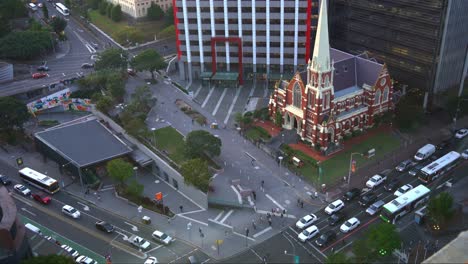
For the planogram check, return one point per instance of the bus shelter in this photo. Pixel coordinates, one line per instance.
(226, 79)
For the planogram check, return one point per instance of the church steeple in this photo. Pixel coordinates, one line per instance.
(321, 57)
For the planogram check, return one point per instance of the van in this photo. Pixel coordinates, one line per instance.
(425, 152)
(32, 6)
(33, 228)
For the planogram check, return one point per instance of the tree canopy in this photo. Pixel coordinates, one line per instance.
(154, 12)
(112, 58)
(383, 238)
(195, 172)
(119, 170)
(13, 113)
(56, 259)
(199, 142)
(149, 60)
(102, 8)
(45, 11)
(116, 13)
(58, 24)
(440, 208)
(338, 257)
(10, 9)
(25, 44)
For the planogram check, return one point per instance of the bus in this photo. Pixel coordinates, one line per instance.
(62, 9)
(439, 167)
(39, 180)
(403, 204)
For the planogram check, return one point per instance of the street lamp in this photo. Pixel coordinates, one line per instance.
(280, 160)
(189, 226)
(135, 169)
(154, 136)
(351, 165)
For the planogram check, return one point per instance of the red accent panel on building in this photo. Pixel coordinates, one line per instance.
(176, 23)
(239, 51)
(309, 17)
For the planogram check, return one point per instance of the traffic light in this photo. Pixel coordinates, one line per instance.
(19, 161)
(383, 252)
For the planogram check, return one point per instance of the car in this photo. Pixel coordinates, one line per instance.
(403, 189)
(131, 72)
(22, 189)
(94, 57)
(414, 171)
(39, 5)
(87, 65)
(42, 198)
(5, 180)
(375, 181)
(151, 260)
(308, 233)
(70, 251)
(306, 221)
(336, 218)
(351, 194)
(465, 154)
(392, 185)
(192, 260)
(404, 165)
(350, 225)
(70, 211)
(461, 133)
(334, 207)
(375, 207)
(325, 238)
(104, 226)
(39, 75)
(161, 237)
(444, 144)
(43, 68)
(367, 199)
(85, 260)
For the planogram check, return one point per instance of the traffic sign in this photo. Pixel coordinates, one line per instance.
(158, 196)
(296, 259)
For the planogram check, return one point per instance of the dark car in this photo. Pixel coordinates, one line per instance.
(42, 68)
(5, 180)
(326, 238)
(416, 169)
(368, 199)
(42, 198)
(404, 165)
(104, 226)
(351, 194)
(392, 185)
(443, 145)
(335, 218)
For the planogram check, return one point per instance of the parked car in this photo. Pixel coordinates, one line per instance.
(375, 181)
(22, 189)
(139, 242)
(85, 260)
(351, 194)
(42, 68)
(104, 226)
(87, 65)
(367, 199)
(94, 57)
(404, 165)
(70, 211)
(325, 238)
(70, 251)
(392, 185)
(461, 133)
(131, 72)
(335, 218)
(151, 260)
(5, 180)
(161, 237)
(350, 225)
(334, 207)
(308, 233)
(465, 154)
(414, 171)
(403, 189)
(306, 221)
(39, 75)
(375, 207)
(42, 198)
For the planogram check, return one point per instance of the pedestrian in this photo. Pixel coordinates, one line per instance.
(277, 210)
(253, 225)
(298, 201)
(302, 204)
(269, 222)
(268, 215)
(333, 250)
(255, 208)
(272, 210)
(284, 211)
(87, 191)
(281, 215)
(254, 195)
(193, 121)
(99, 197)
(168, 220)
(263, 183)
(181, 208)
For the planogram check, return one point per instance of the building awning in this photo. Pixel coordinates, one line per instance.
(141, 158)
(225, 76)
(280, 76)
(206, 75)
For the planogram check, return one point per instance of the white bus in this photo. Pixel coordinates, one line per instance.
(39, 180)
(404, 204)
(62, 9)
(439, 167)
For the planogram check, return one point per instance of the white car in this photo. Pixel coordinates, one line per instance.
(85, 260)
(70, 251)
(403, 189)
(161, 237)
(461, 133)
(70, 211)
(151, 260)
(465, 154)
(350, 225)
(306, 221)
(309, 233)
(22, 189)
(375, 181)
(334, 207)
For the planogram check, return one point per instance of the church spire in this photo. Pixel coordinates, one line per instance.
(321, 56)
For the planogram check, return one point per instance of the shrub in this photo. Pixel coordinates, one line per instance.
(317, 147)
(48, 123)
(201, 120)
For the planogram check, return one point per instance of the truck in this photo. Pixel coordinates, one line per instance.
(139, 242)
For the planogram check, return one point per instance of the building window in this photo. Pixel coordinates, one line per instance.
(345, 68)
(297, 96)
(356, 121)
(385, 94)
(311, 99)
(377, 97)
(326, 101)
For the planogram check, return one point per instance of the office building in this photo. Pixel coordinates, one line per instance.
(139, 8)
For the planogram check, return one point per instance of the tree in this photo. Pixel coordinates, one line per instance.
(116, 13)
(361, 251)
(199, 142)
(143, 98)
(383, 239)
(13, 113)
(4, 27)
(135, 189)
(169, 16)
(135, 126)
(195, 172)
(103, 7)
(109, 8)
(93, 4)
(154, 12)
(238, 118)
(56, 259)
(112, 58)
(25, 44)
(116, 87)
(68, 4)
(440, 208)
(278, 119)
(119, 170)
(45, 11)
(338, 257)
(129, 35)
(149, 60)
(58, 24)
(10, 9)
(104, 104)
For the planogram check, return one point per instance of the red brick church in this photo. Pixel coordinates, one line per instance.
(339, 93)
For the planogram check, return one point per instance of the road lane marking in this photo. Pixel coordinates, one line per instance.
(198, 91)
(219, 102)
(208, 97)
(241, 235)
(27, 211)
(191, 252)
(302, 245)
(191, 212)
(256, 254)
(134, 228)
(253, 89)
(309, 243)
(239, 197)
(194, 220)
(262, 232)
(219, 215)
(275, 202)
(232, 105)
(227, 215)
(85, 207)
(153, 249)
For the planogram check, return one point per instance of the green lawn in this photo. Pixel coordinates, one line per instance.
(255, 133)
(170, 140)
(335, 168)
